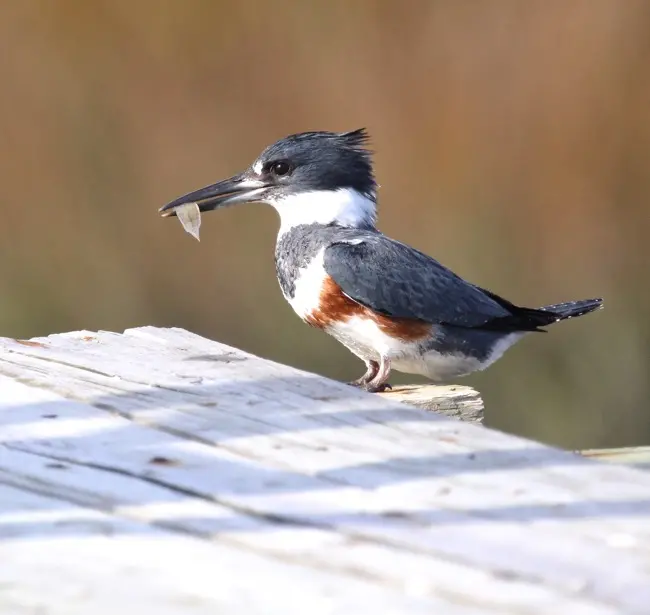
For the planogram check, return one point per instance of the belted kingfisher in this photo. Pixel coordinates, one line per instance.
(391, 305)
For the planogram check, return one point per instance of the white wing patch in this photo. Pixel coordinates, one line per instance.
(353, 242)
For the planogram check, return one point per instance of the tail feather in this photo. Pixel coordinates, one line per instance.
(529, 319)
(572, 309)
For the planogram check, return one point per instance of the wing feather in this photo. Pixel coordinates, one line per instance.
(397, 280)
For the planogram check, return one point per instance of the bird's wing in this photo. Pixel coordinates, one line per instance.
(394, 279)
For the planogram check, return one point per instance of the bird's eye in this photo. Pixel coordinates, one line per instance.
(280, 168)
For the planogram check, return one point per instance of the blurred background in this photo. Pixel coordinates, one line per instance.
(512, 143)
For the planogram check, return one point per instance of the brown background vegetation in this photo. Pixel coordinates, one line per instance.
(512, 141)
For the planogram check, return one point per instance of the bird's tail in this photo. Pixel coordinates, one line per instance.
(572, 309)
(529, 319)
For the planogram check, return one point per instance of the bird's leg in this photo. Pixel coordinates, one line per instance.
(372, 367)
(379, 382)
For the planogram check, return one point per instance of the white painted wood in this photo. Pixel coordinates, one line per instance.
(174, 459)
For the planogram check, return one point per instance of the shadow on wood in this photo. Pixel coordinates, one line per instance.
(167, 463)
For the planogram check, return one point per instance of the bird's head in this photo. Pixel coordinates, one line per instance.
(311, 177)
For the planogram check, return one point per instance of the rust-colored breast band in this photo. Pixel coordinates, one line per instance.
(335, 306)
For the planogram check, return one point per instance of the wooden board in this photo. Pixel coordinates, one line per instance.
(637, 456)
(159, 471)
(461, 402)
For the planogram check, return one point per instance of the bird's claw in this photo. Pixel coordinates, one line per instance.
(359, 383)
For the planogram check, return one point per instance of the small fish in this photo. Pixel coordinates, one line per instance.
(189, 215)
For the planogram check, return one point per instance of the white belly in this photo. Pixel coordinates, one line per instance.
(366, 339)
(439, 367)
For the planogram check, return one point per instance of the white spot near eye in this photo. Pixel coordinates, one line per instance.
(257, 167)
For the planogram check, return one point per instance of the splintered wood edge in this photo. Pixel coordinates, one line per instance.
(460, 402)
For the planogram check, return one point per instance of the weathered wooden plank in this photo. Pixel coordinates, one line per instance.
(463, 403)
(61, 559)
(424, 582)
(637, 456)
(145, 499)
(290, 466)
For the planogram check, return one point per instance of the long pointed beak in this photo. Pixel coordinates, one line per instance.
(236, 189)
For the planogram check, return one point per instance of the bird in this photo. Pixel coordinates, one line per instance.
(391, 305)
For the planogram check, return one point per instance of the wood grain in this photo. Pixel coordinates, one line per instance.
(196, 477)
(461, 402)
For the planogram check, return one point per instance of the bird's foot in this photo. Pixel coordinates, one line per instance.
(374, 380)
(358, 383)
(371, 371)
